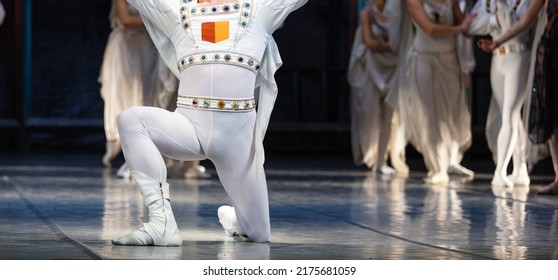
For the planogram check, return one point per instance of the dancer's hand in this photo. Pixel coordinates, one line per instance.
(487, 45)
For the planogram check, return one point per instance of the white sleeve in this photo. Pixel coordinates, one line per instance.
(163, 14)
(484, 23)
(160, 19)
(274, 12)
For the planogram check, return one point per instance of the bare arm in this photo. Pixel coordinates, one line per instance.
(417, 12)
(516, 28)
(458, 14)
(520, 25)
(369, 41)
(125, 18)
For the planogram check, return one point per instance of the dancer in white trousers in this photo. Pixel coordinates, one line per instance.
(505, 130)
(224, 51)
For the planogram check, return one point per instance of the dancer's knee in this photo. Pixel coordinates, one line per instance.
(127, 118)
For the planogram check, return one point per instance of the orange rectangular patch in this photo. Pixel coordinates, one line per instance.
(215, 32)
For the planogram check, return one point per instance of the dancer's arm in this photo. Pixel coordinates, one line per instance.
(274, 12)
(458, 15)
(372, 43)
(519, 26)
(127, 19)
(417, 12)
(160, 14)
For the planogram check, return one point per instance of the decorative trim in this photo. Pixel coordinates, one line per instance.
(236, 59)
(217, 104)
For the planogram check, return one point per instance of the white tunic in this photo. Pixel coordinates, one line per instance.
(176, 29)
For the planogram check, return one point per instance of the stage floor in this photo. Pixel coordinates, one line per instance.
(69, 207)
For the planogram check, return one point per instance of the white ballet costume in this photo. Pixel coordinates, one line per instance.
(370, 75)
(224, 52)
(432, 100)
(505, 130)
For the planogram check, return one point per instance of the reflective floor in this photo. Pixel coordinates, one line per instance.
(69, 207)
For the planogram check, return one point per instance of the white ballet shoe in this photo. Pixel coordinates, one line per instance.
(227, 218)
(401, 168)
(440, 178)
(161, 230)
(521, 177)
(384, 170)
(501, 181)
(459, 170)
(520, 180)
(123, 172)
(113, 148)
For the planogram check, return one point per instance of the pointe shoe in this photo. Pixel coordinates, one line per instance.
(501, 181)
(227, 218)
(123, 172)
(401, 168)
(384, 170)
(113, 148)
(459, 170)
(161, 230)
(440, 178)
(520, 178)
(402, 171)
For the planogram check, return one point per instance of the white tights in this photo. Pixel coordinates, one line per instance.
(225, 138)
(509, 79)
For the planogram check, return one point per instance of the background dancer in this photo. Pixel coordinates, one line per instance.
(370, 74)
(505, 130)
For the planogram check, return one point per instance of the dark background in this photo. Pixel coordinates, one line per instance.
(51, 52)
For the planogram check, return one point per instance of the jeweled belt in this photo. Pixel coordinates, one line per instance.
(510, 49)
(217, 104)
(236, 59)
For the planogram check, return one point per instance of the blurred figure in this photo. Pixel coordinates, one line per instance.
(466, 56)
(371, 70)
(505, 130)
(432, 101)
(126, 75)
(543, 118)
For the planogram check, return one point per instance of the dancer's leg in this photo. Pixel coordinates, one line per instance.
(506, 85)
(435, 152)
(146, 132)
(552, 188)
(232, 152)
(397, 147)
(385, 135)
